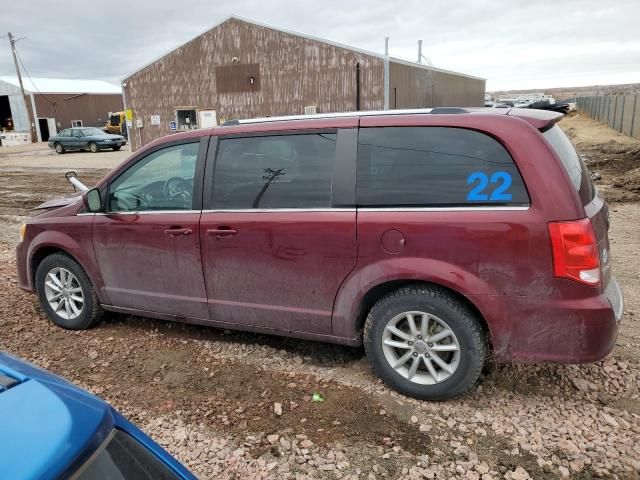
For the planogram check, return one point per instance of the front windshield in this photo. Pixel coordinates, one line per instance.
(92, 131)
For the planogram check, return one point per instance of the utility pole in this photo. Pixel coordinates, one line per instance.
(27, 103)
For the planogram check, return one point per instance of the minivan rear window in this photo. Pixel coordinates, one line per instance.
(435, 167)
(573, 164)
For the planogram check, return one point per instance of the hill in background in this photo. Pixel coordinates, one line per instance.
(566, 93)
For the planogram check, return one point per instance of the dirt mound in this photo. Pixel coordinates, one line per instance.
(612, 158)
(629, 181)
(616, 171)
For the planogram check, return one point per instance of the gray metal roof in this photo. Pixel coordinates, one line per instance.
(310, 37)
(62, 85)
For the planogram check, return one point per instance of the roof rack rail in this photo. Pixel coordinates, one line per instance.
(445, 110)
(360, 113)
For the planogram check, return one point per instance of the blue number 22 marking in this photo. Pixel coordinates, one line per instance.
(482, 180)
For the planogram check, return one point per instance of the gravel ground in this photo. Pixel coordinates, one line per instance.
(239, 406)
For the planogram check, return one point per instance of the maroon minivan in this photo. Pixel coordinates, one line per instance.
(438, 238)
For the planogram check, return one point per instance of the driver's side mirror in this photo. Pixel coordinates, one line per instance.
(92, 200)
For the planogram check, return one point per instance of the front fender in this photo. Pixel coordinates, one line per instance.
(77, 243)
(350, 296)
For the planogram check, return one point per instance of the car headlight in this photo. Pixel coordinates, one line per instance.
(23, 231)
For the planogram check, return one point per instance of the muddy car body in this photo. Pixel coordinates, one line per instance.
(436, 238)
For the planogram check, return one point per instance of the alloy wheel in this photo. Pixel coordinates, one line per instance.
(64, 293)
(421, 347)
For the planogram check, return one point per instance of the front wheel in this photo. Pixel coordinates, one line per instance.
(93, 147)
(59, 148)
(66, 293)
(425, 343)
(116, 148)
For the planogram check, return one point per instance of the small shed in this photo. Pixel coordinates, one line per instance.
(241, 68)
(56, 104)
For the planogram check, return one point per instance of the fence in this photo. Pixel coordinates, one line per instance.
(620, 112)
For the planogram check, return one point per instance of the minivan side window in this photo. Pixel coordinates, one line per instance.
(278, 171)
(163, 180)
(435, 167)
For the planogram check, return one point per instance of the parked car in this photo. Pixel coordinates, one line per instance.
(438, 238)
(52, 429)
(84, 138)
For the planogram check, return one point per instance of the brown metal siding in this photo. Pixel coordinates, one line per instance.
(237, 78)
(415, 87)
(294, 72)
(92, 109)
(452, 90)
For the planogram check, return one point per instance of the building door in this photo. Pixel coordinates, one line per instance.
(44, 129)
(53, 130)
(274, 250)
(6, 122)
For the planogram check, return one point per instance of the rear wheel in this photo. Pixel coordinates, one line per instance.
(425, 343)
(66, 293)
(58, 148)
(93, 147)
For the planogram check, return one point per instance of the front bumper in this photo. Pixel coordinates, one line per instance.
(24, 282)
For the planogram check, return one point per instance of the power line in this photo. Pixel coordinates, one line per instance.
(35, 87)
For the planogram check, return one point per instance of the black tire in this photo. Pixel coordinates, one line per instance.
(91, 312)
(93, 147)
(58, 148)
(116, 148)
(460, 319)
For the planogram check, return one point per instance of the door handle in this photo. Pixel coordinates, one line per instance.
(222, 232)
(175, 231)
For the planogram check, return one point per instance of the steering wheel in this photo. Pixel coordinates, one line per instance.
(177, 187)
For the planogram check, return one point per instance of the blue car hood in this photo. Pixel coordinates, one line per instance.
(46, 423)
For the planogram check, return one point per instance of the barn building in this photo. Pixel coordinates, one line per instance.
(56, 104)
(243, 69)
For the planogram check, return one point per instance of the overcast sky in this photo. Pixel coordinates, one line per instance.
(513, 43)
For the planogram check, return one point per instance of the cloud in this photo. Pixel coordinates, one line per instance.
(512, 43)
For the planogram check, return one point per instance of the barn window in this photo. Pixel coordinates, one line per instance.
(186, 119)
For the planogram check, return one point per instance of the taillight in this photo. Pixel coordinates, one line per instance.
(575, 251)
